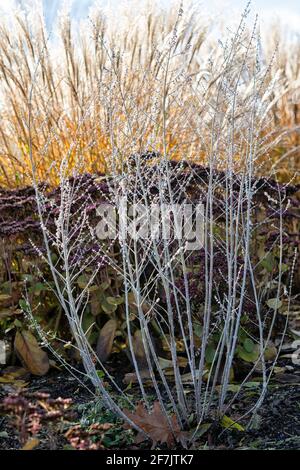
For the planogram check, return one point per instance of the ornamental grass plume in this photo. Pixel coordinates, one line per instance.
(77, 94)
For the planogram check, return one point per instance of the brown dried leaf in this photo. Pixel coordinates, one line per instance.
(156, 425)
(14, 372)
(106, 339)
(95, 304)
(31, 444)
(139, 350)
(131, 377)
(10, 300)
(292, 379)
(34, 358)
(9, 312)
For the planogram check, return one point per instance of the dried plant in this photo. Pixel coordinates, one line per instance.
(31, 411)
(83, 439)
(82, 79)
(223, 117)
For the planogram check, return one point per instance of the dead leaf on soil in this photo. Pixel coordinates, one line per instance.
(14, 383)
(270, 352)
(31, 444)
(9, 312)
(14, 376)
(131, 377)
(292, 379)
(167, 364)
(155, 424)
(34, 358)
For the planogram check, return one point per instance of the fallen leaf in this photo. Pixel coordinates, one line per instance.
(106, 339)
(252, 384)
(131, 377)
(4, 297)
(235, 388)
(155, 425)
(227, 423)
(15, 371)
(255, 422)
(292, 379)
(202, 429)
(188, 378)
(248, 356)
(13, 383)
(53, 364)
(168, 363)
(31, 444)
(15, 376)
(270, 352)
(34, 358)
(9, 312)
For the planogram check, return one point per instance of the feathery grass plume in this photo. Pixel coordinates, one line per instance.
(77, 96)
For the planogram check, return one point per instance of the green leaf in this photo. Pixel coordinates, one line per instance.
(227, 423)
(284, 267)
(93, 289)
(198, 330)
(210, 354)
(270, 353)
(54, 258)
(104, 285)
(82, 281)
(24, 305)
(27, 277)
(269, 262)
(252, 384)
(107, 307)
(235, 388)
(38, 287)
(248, 345)
(100, 374)
(87, 322)
(202, 430)
(247, 356)
(115, 300)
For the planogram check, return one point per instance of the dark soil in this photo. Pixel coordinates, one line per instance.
(276, 425)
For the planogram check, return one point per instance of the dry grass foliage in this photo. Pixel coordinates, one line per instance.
(102, 86)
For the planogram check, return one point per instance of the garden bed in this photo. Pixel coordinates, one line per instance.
(276, 425)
